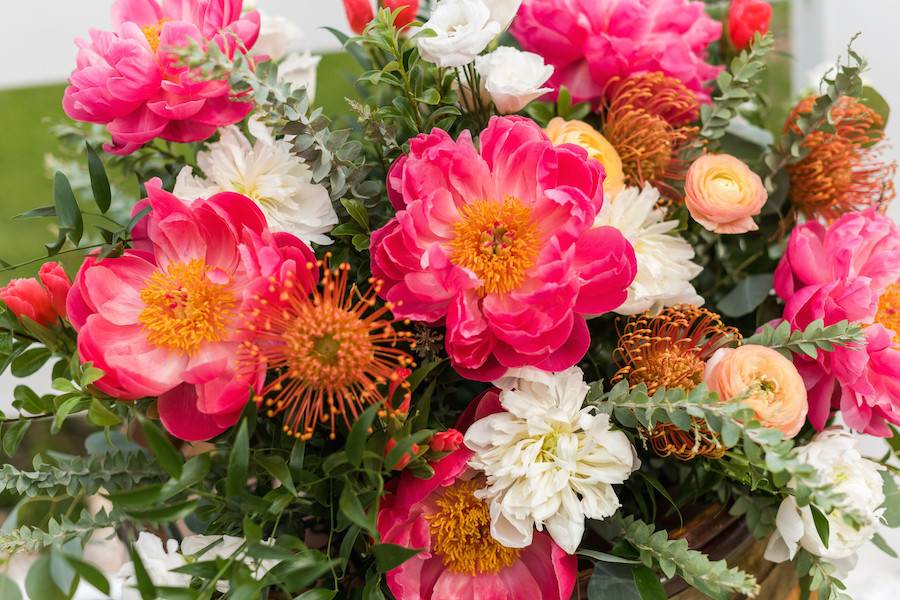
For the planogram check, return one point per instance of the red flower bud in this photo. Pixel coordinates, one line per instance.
(446, 441)
(409, 13)
(42, 304)
(745, 19)
(404, 460)
(359, 13)
(57, 284)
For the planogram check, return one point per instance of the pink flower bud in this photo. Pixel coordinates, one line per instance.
(359, 13)
(26, 298)
(446, 441)
(407, 15)
(746, 18)
(404, 460)
(57, 284)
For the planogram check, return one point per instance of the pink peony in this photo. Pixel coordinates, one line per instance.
(161, 319)
(129, 81)
(499, 245)
(835, 273)
(589, 42)
(460, 559)
(42, 300)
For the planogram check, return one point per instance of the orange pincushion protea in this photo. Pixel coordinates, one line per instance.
(844, 170)
(670, 350)
(647, 119)
(333, 351)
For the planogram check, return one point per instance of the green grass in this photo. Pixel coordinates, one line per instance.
(25, 184)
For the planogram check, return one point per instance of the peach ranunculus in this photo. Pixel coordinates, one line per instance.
(581, 134)
(765, 380)
(723, 194)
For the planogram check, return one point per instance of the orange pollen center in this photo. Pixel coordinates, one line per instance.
(889, 309)
(498, 241)
(151, 32)
(461, 533)
(184, 308)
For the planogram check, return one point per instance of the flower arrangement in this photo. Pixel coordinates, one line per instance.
(539, 303)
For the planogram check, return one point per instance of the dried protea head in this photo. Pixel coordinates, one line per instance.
(647, 119)
(845, 170)
(670, 349)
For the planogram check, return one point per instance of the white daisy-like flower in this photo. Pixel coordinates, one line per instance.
(664, 259)
(549, 460)
(268, 172)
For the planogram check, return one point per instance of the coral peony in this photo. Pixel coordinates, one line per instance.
(459, 558)
(723, 194)
(842, 272)
(589, 42)
(161, 319)
(581, 134)
(499, 245)
(746, 18)
(764, 380)
(43, 304)
(130, 81)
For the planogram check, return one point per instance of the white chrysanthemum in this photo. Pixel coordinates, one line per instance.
(549, 461)
(856, 479)
(664, 260)
(269, 173)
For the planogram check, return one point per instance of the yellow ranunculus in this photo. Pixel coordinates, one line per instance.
(581, 134)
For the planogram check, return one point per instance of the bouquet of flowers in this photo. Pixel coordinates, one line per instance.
(551, 306)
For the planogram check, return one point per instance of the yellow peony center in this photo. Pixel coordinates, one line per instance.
(888, 314)
(461, 533)
(151, 32)
(184, 308)
(498, 241)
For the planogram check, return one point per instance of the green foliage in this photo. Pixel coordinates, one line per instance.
(58, 531)
(61, 474)
(674, 557)
(737, 85)
(845, 81)
(810, 341)
(746, 295)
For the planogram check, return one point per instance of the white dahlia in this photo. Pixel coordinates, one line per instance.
(664, 259)
(268, 172)
(549, 461)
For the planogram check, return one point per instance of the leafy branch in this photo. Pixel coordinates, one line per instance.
(737, 85)
(808, 341)
(33, 539)
(733, 423)
(69, 475)
(673, 557)
(790, 149)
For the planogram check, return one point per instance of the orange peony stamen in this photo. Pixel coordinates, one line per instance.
(498, 241)
(184, 307)
(461, 533)
(151, 32)
(647, 119)
(843, 171)
(888, 314)
(334, 352)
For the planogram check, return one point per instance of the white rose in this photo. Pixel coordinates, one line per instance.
(276, 36)
(513, 78)
(550, 462)
(834, 455)
(299, 70)
(462, 30)
(504, 11)
(158, 561)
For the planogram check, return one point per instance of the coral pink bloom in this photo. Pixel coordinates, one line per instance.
(161, 319)
(499, 245)
(589, 42)
(43, 304)
(460, 559)
(359, 13)
(129, 80)
(835, 273)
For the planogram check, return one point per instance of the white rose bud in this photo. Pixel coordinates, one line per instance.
(834, 455)
(513, 78)
(462, 30)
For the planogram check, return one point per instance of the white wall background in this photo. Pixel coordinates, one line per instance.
(36, 46)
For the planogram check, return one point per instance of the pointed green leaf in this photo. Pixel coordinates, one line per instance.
(99, 180)
(67, 211)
